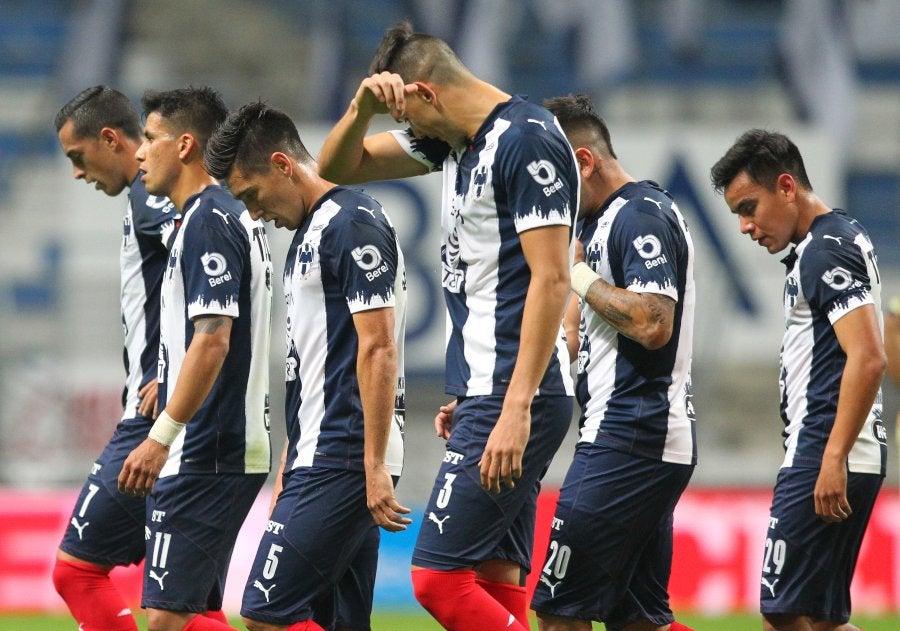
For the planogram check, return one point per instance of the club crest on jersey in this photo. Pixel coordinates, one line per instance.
(838, 278)
(593, 254)
(791, 291)
(878, 429)
(306, 256)
(479, 181)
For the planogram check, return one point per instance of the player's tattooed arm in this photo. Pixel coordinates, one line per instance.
(209, 326)
(648, 319)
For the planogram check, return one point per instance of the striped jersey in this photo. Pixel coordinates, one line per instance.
(220, 264)
(517, 173)
(343, 260)
(831, 272)
(149, 225)
(636, 400)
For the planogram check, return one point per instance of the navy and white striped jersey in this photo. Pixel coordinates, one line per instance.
(220, 264)
(636, 400)
(344, 259)
(149, 226)
(831, 272)
(518, 173)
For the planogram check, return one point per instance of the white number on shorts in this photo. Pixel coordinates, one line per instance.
(775, 551)
(161, 549)
(92, 491)
(561, 555)
(271, 562)
(443, 497)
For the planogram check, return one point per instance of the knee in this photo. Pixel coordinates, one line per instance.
(73, 574)
(162, 620)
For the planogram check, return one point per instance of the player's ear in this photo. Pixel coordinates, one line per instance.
(109, 137)
(425, 92)
(282, 163)
(186, 143)
(786, 185)
(587, 161)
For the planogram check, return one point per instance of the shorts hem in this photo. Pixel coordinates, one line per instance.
(257, 616)
(815, 615)
(173, 606)
(97, 560)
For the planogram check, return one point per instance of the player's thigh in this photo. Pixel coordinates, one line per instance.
(465, 524)
(613, 519)
(192, 523)
(107, 527)
(808, 563)
(320, 532)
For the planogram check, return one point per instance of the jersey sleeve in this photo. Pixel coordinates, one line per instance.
(541, 182)
(647, 247)
(834, 278)
(429, 151)
(213, 264)
(364, 259)
(155, 217)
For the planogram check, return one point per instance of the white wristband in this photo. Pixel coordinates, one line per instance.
(165, 429)
(582, 278)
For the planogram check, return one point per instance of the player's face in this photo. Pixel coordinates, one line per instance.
(94, 159)
(426, 122)
(766, 216)
(269, 196)
(158, 156)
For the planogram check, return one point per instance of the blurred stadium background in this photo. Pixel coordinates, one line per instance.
(676, 80)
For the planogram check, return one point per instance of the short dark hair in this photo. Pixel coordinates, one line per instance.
(199, 110)
(577, 114)
(97, 107)
(248, 137)
(763, 155)
(416, 56)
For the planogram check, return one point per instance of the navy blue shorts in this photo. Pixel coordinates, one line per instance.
(192, 523)
(318, 555)
(465, 524)
(610, 550)
(808, 563)
(107, 527)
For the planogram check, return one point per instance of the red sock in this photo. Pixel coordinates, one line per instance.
(677, 626)
(217, 615)
(206, 623)
(306, 625)
(92, 598)
(456, 601)
(513, 597)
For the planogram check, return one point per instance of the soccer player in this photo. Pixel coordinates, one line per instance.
(832, 362)
(345, 290)
(99, 130)
(510, 196)
(610, 550)
(209, 447)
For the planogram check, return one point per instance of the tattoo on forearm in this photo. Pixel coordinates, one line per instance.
(209, 325)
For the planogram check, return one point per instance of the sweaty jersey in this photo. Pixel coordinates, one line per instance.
(149, 225)
(636, 400)
(517, 173)
(831, 272)
(220, 264)
(344, 259)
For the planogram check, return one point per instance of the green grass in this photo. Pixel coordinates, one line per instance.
(422, 622)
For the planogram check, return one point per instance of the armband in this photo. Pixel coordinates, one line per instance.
(582, 278)
(165, 429)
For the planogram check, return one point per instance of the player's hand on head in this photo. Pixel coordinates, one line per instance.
(443, 421)
(386, 510)
(384, 93)
(148, 396)
(501, 462)
(830, 493)
(142, 467)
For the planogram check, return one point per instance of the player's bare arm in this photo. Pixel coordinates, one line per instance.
(860, 337)
(202, 364)
(646, 318)
(376, 370)
(546, 251)
(571, 323)
(349, 156)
